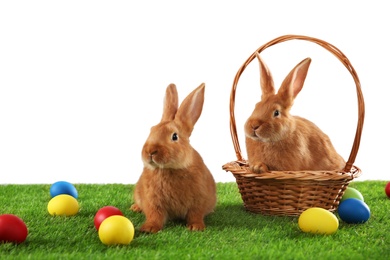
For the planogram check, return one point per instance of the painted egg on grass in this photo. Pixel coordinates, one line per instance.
(354, 211)
(116, 230)
(352, 193)
(12, 229)
(63, 205)
(63, 187)
(387, 189)
(318, 221)
(105, 212)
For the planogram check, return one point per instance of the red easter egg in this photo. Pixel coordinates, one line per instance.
(12, 229)
(387, 189)
(105, 212)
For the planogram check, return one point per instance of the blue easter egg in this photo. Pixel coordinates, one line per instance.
(63, 187)
(354, 211)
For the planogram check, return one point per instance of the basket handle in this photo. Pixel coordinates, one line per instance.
(335, 51)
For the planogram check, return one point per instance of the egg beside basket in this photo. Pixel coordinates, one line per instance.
(290, 193)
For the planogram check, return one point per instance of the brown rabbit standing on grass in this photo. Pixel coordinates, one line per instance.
(278, 141)
(175, 182)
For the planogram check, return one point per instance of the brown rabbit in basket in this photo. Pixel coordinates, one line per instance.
(175, 182)
(278, 141)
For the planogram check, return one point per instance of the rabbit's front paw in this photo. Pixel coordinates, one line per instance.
(258, 168)
(196, 226)
(135, 208)
(150, 228)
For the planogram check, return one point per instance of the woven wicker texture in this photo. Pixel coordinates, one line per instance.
(291, 192)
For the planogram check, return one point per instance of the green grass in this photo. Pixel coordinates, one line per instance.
(232, 233)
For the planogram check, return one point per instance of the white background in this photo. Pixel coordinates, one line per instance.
(82, 82)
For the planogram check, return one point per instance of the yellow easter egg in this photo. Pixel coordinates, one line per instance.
(318, 221)
(63, 205)
(116, 230)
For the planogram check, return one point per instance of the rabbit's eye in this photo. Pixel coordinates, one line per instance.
(175, 137)
(276, 113)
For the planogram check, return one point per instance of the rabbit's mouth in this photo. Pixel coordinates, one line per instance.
(149, 161)
(257, 131)
(154, 162)
(258, 137)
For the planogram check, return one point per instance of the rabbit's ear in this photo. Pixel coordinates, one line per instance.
(294, 81)
(171, 103)
(191, 108)
(266, 80)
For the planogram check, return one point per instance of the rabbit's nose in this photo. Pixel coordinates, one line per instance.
(254, 127)
(152, 153)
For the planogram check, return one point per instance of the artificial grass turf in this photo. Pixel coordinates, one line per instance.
(231, 233)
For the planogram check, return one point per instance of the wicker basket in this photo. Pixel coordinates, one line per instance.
(291, 192)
